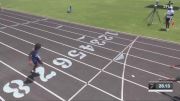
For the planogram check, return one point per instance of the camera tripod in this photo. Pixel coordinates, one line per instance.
(150, 17)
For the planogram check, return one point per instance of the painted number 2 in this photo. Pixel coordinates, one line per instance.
(15, 91)
(40, 70)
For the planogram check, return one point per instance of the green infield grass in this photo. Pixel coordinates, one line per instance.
(120, 15)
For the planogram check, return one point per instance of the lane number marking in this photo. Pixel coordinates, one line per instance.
(95, 41)
(15, 91)
(87, 47)
(75, 53)
(41, 71)
(64, 63)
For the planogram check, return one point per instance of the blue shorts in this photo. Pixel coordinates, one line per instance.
(36, 61)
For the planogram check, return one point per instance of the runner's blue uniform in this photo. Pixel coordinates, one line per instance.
(36, 59)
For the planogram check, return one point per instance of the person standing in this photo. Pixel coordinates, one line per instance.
(169, 17)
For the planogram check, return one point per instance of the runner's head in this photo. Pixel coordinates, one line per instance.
(37, 46)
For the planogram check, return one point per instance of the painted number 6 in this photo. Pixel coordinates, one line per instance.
(64, 63)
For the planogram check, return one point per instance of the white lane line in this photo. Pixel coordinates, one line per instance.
(112, 50)
(51, 51)
(58, 27)
(110, 30)
(80, 34)
(145, 71)
(129, 81)
(156, 53)
(8, 20)
(13, 17)
(122, 38)
(105, 29)
(114, 75)
(104, 92)
(20, 15)
(77, 93)
(100, 39)
(163, 47)
(69, 37)
(82, 62)
(44, 63)
(152, 61)
(17, 24)
(51, 92)
(1, 99)
(66, 56)
(89, 81)
(56, 69)
(124, 68)
(88, 43)
(66, 44)
(102, 70)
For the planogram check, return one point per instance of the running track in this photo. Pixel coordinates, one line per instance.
(82, 73)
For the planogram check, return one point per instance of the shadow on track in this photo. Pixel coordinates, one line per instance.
(30, 78)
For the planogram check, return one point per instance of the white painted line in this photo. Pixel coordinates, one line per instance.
(1, 99)
(9, 20)
(77, 93)
(70, 38)
(99, 72)
(52, 93)
(12, 17)
(107, 41)
(66, 44)
(44, 63)
(83, 63)
(81, 34)
(20, 15)
(58, 27)
(125, 79)
(157, 53)
(53, 67)
(145, 71)
(125, 33)
(105, 92)
(17, 24)
(124, 68)
(114, 50)
(51, 50)
(120, 37)
(153, 61)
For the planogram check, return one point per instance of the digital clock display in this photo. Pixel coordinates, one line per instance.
(160, 87)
